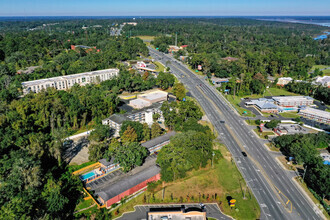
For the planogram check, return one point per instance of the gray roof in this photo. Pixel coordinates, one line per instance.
(107, 163)
(266, 105)
(130, 181)
(158, 140)
(118, 118)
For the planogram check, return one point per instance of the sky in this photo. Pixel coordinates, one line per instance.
(164, 8)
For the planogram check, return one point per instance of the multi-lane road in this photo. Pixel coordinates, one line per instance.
(277, 194)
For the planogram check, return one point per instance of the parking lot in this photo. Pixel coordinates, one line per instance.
(140, 213)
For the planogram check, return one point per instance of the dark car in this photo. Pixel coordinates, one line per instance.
(222, 122)
(244, 154)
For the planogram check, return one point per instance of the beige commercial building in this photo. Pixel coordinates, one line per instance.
(66, 82)
(154, 96)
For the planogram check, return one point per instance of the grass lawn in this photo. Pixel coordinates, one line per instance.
(251, 122)
(278, 92)
(326, 72)
(144, 37)
(263, 134)
(290, 114)
(272, 147)
(78, 167)
(235, 101)
(160, 67)
(84, 204)
(87, 212)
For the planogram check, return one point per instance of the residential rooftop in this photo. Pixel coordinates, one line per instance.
(129, 180)
(158, 140)
(72, 76)
(316, 112)
(291, 98)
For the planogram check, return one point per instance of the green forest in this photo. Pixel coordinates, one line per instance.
(35, 180)
(262, 48)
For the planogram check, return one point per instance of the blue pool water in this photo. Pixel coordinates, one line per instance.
(87, 175)
(289, 109)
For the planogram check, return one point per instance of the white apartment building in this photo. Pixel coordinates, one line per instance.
(290, 101)
(145, 115)
(316, 115)
(66, 82)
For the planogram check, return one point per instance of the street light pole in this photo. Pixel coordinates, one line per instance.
(304, 173)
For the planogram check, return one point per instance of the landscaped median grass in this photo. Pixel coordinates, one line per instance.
(160, 67)
(263, 134)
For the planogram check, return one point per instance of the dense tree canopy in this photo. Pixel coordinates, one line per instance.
(188, 150)
(303, 147)
(130, 155)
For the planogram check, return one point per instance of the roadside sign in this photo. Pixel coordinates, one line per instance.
(232, 202)
(199, 67)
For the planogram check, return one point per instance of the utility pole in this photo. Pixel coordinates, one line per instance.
(212, 158)
(304, 173)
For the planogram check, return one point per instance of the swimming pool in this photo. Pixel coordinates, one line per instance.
(289, 109)
(87, 175)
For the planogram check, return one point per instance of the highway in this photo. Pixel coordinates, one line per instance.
(276, 193)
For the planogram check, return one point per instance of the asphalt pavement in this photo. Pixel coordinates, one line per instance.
(277, 195)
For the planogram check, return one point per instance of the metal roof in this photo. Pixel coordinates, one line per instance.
(130, 180)
(118, 118)
(158, 140)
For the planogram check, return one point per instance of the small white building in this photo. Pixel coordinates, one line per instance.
(324, 81)
(154, 96)
(144, 115)
(139, 103)
(316, 115)
(283, 81)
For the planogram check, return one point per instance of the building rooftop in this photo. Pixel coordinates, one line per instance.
(230, 58)
(176, 213)
(262, 104)
(154, 95)
(315, 112)
(72, 76)
(292, 98)
(118, 118)
(139, 102)
(158, 140)
(106, 163)
(129, 180)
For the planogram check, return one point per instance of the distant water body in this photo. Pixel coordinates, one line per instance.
(322, 21)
